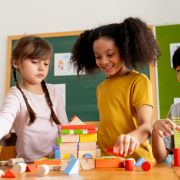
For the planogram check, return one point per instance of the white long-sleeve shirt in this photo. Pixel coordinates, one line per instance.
(36, 140)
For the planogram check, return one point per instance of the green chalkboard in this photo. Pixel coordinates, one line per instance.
(167, 81)
(80, 91)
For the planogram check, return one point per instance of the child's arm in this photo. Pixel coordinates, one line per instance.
(127, 143)
(161, 128)
(8, 112)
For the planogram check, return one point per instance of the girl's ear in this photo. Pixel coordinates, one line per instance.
(15, 64)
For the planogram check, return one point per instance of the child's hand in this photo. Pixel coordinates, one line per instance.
(165, 127)
(126, 144)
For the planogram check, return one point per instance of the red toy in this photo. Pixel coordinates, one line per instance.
(146, 166)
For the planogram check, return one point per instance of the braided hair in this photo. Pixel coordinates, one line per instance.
(33, 47)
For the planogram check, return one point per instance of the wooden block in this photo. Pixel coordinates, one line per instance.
(57, 154)
(76, 121)
(87, 146)
(64, 163)
(68, 146)
(73, 167)
(70, 137)
(10, 174)
(109, 162)
(58, 141)
(20, 168)
(81, 154)
(129, 164)
(88, 137)
(86, 126)
(67, 154)
(87, 164)
(146, 166)
(31, 168)
(13, 161)
(42, 170)
(176, 156)
(113, 151)
(48, 162)
(139, 162)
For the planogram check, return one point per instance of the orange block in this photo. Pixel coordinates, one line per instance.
(31, 168)
(108, 162)
(48, 162)
(10, 174)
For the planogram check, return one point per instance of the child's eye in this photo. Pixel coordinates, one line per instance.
(46, 64)
(109, 55)
(34, 61)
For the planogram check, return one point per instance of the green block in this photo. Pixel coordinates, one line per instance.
(65, 131)
(58, 141)
(78, 131)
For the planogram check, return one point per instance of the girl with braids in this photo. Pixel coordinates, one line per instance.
(124, 98)
(33, 108)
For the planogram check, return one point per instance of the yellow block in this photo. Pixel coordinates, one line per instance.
(88, 137)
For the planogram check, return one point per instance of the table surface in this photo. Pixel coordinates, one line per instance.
(159, 171)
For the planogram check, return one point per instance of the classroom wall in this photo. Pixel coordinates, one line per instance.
(41, 16)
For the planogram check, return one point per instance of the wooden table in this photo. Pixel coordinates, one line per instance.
(158, 172)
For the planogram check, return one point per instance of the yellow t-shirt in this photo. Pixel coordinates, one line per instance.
(118, 99)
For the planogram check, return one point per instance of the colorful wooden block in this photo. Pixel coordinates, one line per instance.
(88, 137)
(129, 164)
(20, 168)
(109, 162)
(73, 127)
(69, 137)
(176, 156)
(48, 162)
(10, 174)
(31, 168)
(87, 164)
(87, 146)
(146, 166)
(42, 170)
(139, 162)
(73, 167)
(83, 154)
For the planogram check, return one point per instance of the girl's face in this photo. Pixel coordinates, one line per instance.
(108, 57)
(32, 71)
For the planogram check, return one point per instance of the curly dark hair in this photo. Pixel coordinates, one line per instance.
(176, 58)
(134, 39)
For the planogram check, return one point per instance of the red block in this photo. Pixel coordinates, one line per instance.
(146, 166)
(113, 151)
(176, 156)
(73, 127)
(10, 174)
(129, 164)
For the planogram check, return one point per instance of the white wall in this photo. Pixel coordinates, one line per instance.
(41, 16)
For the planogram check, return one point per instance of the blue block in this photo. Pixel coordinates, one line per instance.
(139, 162)
(57, 154)
(70, 166)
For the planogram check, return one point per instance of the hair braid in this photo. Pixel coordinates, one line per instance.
(49, 102)
(31, 113)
